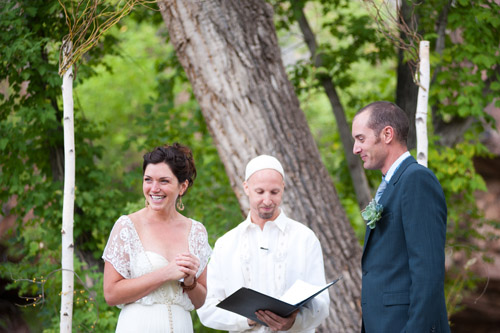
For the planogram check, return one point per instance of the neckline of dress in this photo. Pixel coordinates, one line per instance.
(142, 244)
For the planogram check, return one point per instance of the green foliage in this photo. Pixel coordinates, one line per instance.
(31, 165)
(455, 171)
(114, 97)
(346, 38)
(467, 76)
(466, 82)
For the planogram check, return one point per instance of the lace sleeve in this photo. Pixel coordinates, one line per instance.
(117, 250)
(198, 245)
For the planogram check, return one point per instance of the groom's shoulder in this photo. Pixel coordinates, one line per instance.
(416, 167)
(417, 171)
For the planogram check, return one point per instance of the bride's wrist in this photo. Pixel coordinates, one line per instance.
(189, 287)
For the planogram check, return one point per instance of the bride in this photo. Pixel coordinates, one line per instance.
(155, 258)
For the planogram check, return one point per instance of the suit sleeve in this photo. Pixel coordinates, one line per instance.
(424, 214)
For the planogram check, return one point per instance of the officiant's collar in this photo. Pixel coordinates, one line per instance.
(280, 221)
(394, 167)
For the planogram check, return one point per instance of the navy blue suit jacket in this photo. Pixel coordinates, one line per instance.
(403, 257)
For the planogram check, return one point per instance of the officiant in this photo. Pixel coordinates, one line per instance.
(267, 252)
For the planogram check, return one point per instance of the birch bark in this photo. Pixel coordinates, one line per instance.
(68, 204)
(422, 102)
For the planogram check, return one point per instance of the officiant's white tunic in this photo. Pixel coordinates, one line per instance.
(269, 261)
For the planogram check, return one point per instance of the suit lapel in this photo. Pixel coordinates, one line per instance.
(390, 187)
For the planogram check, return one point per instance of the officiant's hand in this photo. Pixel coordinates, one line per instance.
(275, 322)
(251, 323)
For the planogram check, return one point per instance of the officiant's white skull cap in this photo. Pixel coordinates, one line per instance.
(263, 162)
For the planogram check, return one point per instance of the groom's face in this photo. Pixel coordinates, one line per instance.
(367, 144)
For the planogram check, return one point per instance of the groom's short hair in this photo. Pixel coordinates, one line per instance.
(383, 113)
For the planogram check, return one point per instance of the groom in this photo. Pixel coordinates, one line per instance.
(403, 254)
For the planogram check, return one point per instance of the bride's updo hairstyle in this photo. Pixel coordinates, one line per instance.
(178, 157)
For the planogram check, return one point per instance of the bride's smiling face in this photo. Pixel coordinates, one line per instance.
(161, 187)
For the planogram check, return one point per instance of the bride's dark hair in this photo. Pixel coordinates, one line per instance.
(178, 157)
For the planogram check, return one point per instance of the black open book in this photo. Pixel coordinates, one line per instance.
(247, 301)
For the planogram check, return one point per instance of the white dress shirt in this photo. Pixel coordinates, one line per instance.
(269, 261)
(394, 167)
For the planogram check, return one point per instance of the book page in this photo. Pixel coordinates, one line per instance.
(299, 291)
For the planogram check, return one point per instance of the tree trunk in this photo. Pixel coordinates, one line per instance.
(67, 263)
(406, 89)
(230, 53)
(356, 170)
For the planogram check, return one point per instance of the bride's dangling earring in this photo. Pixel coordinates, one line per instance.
(146, 203)
(180, 205)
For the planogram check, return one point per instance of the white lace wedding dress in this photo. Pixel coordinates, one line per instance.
(167, 309)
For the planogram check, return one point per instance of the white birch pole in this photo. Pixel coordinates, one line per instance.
(422, 102)
(69, 199)
(70, 54)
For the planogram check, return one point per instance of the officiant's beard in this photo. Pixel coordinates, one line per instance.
(267, 215)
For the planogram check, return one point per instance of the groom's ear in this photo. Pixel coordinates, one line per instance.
(387, 134)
